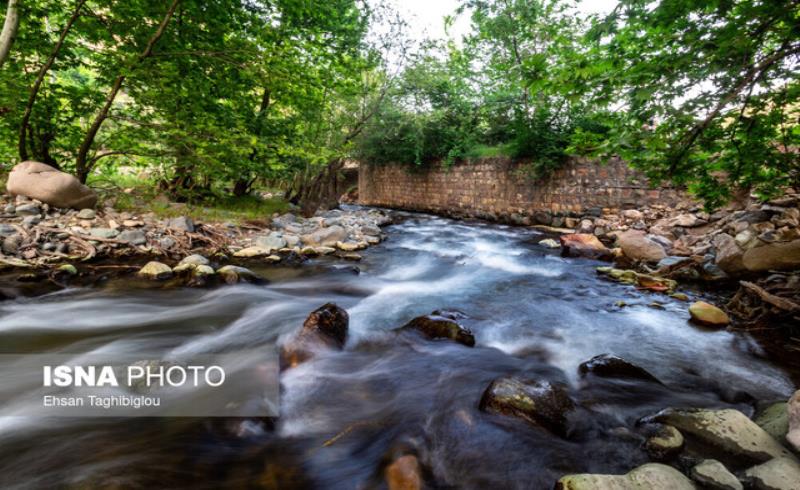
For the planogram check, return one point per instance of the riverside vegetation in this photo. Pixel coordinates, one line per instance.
(263, 104)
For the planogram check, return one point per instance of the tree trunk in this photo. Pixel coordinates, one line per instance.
(82, 166)
(9, 31)
(23, 149)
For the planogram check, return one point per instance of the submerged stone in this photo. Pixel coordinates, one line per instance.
(537, 402)
(440, 327)
(404, 474)
(608, 366)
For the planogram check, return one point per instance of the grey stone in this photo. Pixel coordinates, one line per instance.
(370, 230)
(87, 213)
(6, 230)
(183, 223)
(714, 475)
(134, 237)
(270, 242)
(777, 474)
(166, 242)
(103, 232)
(325, 236)
(10, 208)
(31, 220)
(195, 260)
(28, 209)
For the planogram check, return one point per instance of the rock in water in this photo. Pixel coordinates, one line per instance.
(549, 243)
(43, 182)
(708, 314)
(714, 475)
(155, 271)
(653, 476)
(793, 412)
(777, 256)
(584, 245)
(232, 274)
(776, 474)
(666, 443)
(638, 246)
(729, 431)
(608, 366)
(440, 327)
(538, 402)
(324, 329)
(404, 474)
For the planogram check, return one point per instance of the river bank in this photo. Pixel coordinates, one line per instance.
(395, 396)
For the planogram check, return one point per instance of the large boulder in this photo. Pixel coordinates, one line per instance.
(45, 183)
(729, 431)
(637, 245)
(584, 245)
(324, 329)
(652, 476)
(540, 403)
(435, 326)
(729, 255)
(773, 256)
(793, 412)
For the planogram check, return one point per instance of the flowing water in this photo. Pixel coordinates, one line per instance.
(343, 415)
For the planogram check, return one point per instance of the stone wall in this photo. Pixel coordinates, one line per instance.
(499, 189)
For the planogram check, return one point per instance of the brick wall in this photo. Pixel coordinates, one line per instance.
(498, 189)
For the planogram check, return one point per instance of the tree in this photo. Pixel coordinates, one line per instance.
(9, 31)
(710, 92)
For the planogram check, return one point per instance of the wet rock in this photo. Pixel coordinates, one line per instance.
(652, 476)
(793, 414)
(637, 246)
(665, 444)
(549, 243)
(155, 271)
(404, 474)
(67, 269)
(350, 246)
(203, 270)
(644, 281)
(370, 230)
(583, 245)
(194, 259)
(233, 274)
(352, 256)
(608, 366)
(86, 213)
(773, 256)
(709, 315)
(182, 223)
(324, 329)
(48, 185)
(29, 209)
(774, 420)
(537, 402)
(715, 476)
(729, 431)
(133, 237)
(253, 252)
(325, 236)
(440, 327)
(781, 473)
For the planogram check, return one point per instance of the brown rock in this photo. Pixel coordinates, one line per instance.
(539, 402)
(584, 245)
(404, 474)
(324, 329)
(729, 255)
(441, 327)
(637, 246)
(773, 256)
(45, 183)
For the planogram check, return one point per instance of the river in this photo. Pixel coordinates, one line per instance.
(534, 315)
